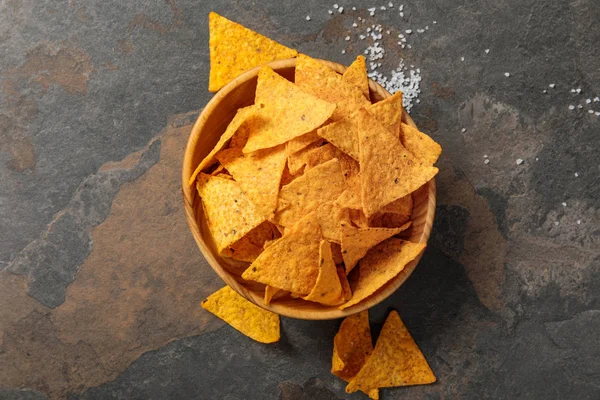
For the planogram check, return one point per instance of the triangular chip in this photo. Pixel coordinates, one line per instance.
(380, 265)
(358, 218)
(314, 155)
(328, 289)
(270, 293)
(331, 217)
(303, 141)
(343, 134)
(403, 205)
(395, 361)
(286, 111)
(254, 322)
(252, 244)
(258, 174)
(387, 170)
(356, 74)
(419, 144)
(242, 115)
(292, 262)
(230, 215)
(347, 291)
(235, 49)
(352, 347)
(356, 242)
(318, 79)
(319, 185)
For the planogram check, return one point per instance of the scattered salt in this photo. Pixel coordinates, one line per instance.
(355, 25)
(401, 8)
(564, 204)
(486, 161)
(341, 10)
(485, 156)
(388, 31)
(308, 17)
(390, 4)
(372, 11)
(435, 22)
(330, 12)
(343, 51)
(353, 8)
(383, 8)
(571, 107)
(578, 90)
(588, 101)
(552, 85)
(401, 14)
(579, 106)
(519, 161)
(463, 130)
(591, 111)
(578, 222)
(347, 38)
(426, 27)
(597, 113)
(596, 99)
(335, 6)
(576, 174)
(556, 223)
(362, 37)
(487, 51)
(507, 74)
(544, 91)
(462, 59)
(409, 31)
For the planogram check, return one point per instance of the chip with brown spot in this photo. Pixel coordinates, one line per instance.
(318, 79)
(387, 170)
(258, 174)
(235, 49)
(356, 242)
(286, 111)
(356, 74)
(328, 289)
(395, 361)
(229, 213)
(251, 320)
(382, 263)
(352, 347)
(292, 262)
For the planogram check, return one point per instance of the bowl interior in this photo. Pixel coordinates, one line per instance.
(211, 124)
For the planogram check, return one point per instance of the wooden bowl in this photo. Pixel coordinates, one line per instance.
(211, 123)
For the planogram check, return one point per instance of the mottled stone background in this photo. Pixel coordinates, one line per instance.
(100, 279)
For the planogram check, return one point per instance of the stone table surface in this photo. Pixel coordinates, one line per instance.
(100, 279)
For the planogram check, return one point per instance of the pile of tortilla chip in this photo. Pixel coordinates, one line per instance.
(311, 186)
(395, 361)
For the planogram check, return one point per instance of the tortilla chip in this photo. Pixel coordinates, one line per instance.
(336, 252)
(219, 170)
(387, 170)
(286, 177)
(352, 346)
(314, 155)
(235, 49)
(388, 220)
(271, 292)
(318, 79)
(349, 199)
(403, 205)
(286, 111)
(229, 213)
(356, 242)
(395, 361)
(292, 262)
(254, 322)
(343, 135)
(380, 265)
(331, 217)
(356, 74)
(328, 289)
(419, 144)
(318, 186)
(347, 291)
(251, 245)
(242, 115)
(240, 137)
(304, 141)
(258, 174)
(358, 218)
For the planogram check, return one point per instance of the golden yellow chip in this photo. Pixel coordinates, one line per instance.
(319, 185)
(318, 79)
(347, 291)
(419, 144)
(314, 155)
(388, 220)
(252, 244)
(286, 177)
(352, 347)
(403, 205)
(349, 199)
(240, 137)
(387, 170)
(395, 361)
(235, 49)
(270, 293)
(286, 112)
(356, 74)
(230, 215)
(254, 322)
(342, 134)
(356, 242)
(328, 289)
(242, 115)
(310, 139)
(357, 217)
(292, 262)
(258, 174)
(388, 112)
(331, 217)
(382, 263)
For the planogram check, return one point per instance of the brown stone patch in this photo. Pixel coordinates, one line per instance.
(139, 289)
(126, 46)
(485, 249)
(442, 92)
(141, 20)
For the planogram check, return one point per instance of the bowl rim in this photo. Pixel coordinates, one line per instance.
(188, 194)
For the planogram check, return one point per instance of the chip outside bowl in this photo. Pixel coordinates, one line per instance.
(209, 126)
